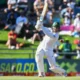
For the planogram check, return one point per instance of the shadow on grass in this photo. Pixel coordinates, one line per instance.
(27, 45)
(3, 41)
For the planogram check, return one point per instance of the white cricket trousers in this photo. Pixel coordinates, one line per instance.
(40, 62)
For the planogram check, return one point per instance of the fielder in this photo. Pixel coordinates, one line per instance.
(45, 48)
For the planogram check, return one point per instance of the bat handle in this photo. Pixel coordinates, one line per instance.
(41, 18)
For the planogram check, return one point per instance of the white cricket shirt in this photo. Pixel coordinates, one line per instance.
(49, 39)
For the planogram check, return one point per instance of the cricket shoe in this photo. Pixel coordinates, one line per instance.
(64, 74)
(61, 74)
(58, 70)
(41, 75)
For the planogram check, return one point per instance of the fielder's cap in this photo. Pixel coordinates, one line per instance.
(55, 24)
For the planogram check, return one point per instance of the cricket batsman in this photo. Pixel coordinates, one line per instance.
(45, 47)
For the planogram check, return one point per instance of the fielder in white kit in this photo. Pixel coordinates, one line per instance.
(45, 48)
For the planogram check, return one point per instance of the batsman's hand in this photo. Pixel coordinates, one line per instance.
(45, 1)
(38, 25)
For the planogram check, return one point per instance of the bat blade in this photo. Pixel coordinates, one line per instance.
(44, 11)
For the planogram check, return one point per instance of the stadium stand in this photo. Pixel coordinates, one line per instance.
(30, 12)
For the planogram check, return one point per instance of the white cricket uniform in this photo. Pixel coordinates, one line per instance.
(46, 48)
(49, 39)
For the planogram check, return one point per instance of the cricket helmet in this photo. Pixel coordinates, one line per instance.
(55, 24)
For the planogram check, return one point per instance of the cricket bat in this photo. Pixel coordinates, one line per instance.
(44, 10)
(40, 21)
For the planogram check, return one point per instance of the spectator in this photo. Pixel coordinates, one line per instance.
(12, 41)
(11, 21)
(66, 47)
(76, 25)
(38, 7)
(71, 4)
(70, 11)
(21, 21)
(11, 4)
(51, 4)
(23, 4)
(78, 50)
(31, 34)
(32, 17)
(35, 36)
(67, 20)
(22, 18)
(12, 12)
(67, 27)
(63, 6)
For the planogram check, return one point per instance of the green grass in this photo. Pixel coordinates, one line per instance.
(21, 53)
(24, 52)
(38, 78)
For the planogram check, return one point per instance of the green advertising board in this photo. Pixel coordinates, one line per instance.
(70, 65)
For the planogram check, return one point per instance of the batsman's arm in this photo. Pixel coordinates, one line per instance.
(48, 32)
(44, 10)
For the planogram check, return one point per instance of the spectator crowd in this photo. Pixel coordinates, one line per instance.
(21, 17)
